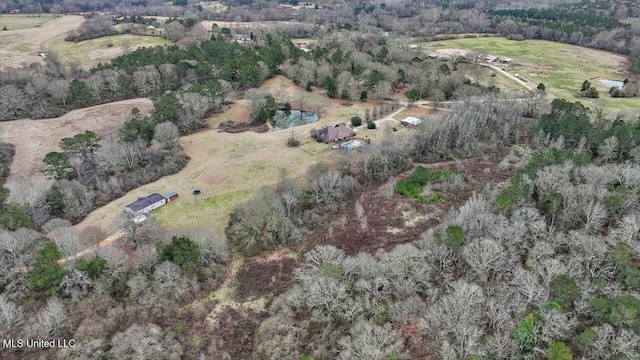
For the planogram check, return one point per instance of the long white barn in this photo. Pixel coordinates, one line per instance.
(146, 204)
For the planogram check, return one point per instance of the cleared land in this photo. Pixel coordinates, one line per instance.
(229, 168)
(561, 67)
(33, 139)
(487, 77)
(215, 6)
(22, 45)
(92, 52)
(414, 111)
(15, 22)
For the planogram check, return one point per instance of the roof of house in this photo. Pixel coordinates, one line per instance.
(327, 134)
(144, 202)
(170, 194)
(412, 120)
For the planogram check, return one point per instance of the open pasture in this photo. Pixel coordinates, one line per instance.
(15, 22)
(89, 53)
(23, 45)
(561, 67)
(229, 168)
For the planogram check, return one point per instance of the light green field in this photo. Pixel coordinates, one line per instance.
(216, 6)
(561, 67)
(92, 52)
(487, 77)
(15, 22)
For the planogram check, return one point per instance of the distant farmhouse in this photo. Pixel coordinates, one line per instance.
(499, 60)
(410, 121)
(145, 205)
(331, 134)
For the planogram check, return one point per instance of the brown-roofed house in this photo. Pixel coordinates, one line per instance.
(331, 134)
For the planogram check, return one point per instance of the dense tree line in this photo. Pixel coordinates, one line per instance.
(45, 91)
(94, 27)
(63, 300)
(12, 216)
(586, 23)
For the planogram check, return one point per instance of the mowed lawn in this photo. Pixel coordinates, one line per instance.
(561, 67)
(15, 22)
(229, 168)
(101, 50)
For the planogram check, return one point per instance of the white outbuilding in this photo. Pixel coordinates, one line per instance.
(410, 121)
(145, 205)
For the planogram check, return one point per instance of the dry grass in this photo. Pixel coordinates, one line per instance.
(22, 45)
(16, 22)
(89, 53)
(215, 6)
(413, 111)
(33, 139)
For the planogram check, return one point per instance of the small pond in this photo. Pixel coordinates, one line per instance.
(612, 83)
(286, 120)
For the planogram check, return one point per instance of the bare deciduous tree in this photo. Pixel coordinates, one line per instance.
(11, 315)
(166, 135)
(51, 320)
(194, 106)
(255, 101)
(168, 75)
(16, 247)
(12, 102)
(370, 341)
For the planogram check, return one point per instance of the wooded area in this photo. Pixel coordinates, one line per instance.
(504, 226)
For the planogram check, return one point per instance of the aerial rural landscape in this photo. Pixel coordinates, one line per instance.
(260, 179)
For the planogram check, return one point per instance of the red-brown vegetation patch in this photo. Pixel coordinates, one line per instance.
(383, 214)
(237, 127)
(259, 278)
(234, 334)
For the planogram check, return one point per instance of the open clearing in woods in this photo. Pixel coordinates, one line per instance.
(33, 139)
(89, 53)
(561, 67)
(229, 168)
(22, 45)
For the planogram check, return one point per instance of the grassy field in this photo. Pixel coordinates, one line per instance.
(33, 139)
(413, 111)
(16, 22)
(215, 6)
(486, 77)
(91, 52)
(229, 168)
(561, 67)
(22, 45)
